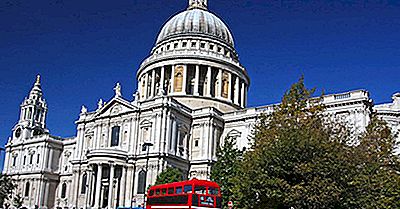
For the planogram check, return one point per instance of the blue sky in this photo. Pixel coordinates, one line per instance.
(82, 48)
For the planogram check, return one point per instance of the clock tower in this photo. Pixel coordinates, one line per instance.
(32, 120)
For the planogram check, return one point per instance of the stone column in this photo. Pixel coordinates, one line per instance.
(123, 187)
(153, 83)
(167, 137)
(129, 185)
(209, 139)
(209, 74)
(219, 90)
(162, 80)
(98, 186)
(172, 79)
(245, 96)
(177, 141)
(146, 85)
(184, 83)
(50, 159)
(230, 87)
(6, 161)
(242, 95)
(46, 197)
(111, 186)
(197, 80)
(92, 185)
(46, 157)
(236, 99)
(173, 137)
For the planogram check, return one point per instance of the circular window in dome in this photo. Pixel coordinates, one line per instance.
(18, 132)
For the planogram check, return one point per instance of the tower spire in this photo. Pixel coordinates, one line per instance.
(38, 79)
(198, 4)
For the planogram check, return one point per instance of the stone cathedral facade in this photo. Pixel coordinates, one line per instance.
(192, 93)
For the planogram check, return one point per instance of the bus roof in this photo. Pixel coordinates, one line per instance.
(191, 182)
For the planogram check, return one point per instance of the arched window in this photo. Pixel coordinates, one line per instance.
(115, 136)
(63, 190)
(84, 182)
(141, 182)
(27, 189)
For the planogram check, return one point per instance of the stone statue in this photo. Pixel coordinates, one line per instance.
(117, 90)
(83, 110)
(100, 104)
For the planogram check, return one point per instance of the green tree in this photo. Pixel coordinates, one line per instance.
(297, 159)
(377, 183)
(226, 168)
(169, 175)
(6, 188)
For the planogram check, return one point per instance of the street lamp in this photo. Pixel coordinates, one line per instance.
(146, 146)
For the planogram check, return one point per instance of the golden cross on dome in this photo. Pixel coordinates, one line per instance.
(198, 4)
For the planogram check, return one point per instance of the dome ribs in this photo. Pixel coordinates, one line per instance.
(196, 22)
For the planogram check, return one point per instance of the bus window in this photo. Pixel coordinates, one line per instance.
(200, 189)
(171, 190)
(178, 190)
(188, 189)
(213, 191)
(164, 191)
(157, 192)
(151, 192)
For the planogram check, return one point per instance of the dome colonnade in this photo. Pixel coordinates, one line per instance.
(194, 58)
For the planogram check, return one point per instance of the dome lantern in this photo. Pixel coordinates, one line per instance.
(198, 4)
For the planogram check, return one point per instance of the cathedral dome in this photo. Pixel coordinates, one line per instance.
(196, 21)
(194, 61)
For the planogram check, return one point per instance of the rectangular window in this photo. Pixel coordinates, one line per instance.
(15, 160)
(200, 189)
(24, 160)
(187, 189)
(31, 160)
(38, 159)
(115, 136)
(196, 142)
(178, 190)
(164, 191)
(171, 190)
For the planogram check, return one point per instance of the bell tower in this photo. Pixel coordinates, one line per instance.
(33, 110)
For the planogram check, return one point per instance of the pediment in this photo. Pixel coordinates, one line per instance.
(116, 106)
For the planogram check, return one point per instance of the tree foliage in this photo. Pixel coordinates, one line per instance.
(377, 182)
(302, 159)
(6, 188)
(226, 168)
(169, 175)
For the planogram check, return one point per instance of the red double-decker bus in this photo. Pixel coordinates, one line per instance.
(195, 194)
